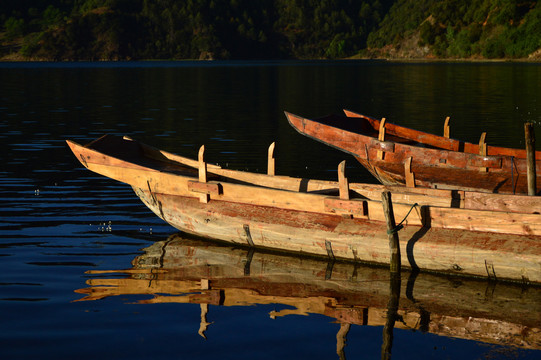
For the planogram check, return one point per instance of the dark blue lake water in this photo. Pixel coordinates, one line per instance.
(87, 271)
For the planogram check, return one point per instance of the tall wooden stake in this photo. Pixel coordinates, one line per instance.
(394, 245)
(530, 155)
(394, 294)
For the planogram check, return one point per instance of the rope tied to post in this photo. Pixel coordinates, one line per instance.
(400, 226)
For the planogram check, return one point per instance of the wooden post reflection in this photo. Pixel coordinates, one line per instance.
(392, 314)
(203, 325)
(341, 340)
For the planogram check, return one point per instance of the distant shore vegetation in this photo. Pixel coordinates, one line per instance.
(61, 30)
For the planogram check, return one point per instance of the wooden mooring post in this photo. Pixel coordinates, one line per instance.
(395, 280)
(394, 246)
(530, 156)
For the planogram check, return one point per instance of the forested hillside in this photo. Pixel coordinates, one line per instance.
(268, 29)
(462, 28)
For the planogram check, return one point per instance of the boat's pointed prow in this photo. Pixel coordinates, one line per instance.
(77, 151)
(296, 121)
(350, 113)
(289, 116)
(72, 144)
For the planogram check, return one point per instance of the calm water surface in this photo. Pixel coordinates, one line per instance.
(80, 277)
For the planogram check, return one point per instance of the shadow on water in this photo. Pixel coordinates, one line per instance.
(186, 270)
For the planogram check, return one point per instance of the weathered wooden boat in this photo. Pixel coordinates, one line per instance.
(488, 235)
(397, 155)
(187, 270)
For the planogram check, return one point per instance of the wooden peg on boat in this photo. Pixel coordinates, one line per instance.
(202, 164)
(530, 159)
(483, 149)
(381, 136)
(204, 198)
(446, 127)
(271, 160)
(343, 184)
(410, 177)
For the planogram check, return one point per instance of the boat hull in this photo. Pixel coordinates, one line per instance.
(459, 166)
(439, 177)
(496, 256)
(485, 235)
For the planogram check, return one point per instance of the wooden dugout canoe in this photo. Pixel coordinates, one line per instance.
(397, 155)
(184, 270)
(488, 235)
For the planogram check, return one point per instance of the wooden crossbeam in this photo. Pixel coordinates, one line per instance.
(356, 208)
(204, 188)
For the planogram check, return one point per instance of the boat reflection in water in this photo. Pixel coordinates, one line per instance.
(194, 271)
